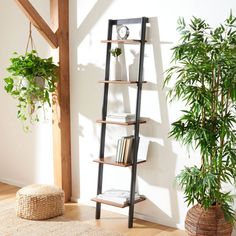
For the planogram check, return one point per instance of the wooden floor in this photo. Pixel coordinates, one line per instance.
(111, 221)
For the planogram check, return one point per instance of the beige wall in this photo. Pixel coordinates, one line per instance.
(25, 158)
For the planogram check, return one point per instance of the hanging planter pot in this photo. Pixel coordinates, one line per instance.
(31, 81)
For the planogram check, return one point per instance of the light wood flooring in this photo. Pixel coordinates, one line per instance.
(109, 220)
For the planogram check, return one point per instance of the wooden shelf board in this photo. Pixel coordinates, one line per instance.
(120, 82)
(112, 161)
(142, 198)
(120, 123)
(126, 41)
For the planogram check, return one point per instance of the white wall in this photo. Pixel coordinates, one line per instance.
(88, 22)
(25, 158)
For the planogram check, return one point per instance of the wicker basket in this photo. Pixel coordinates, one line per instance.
(211, 222)
(39, 202)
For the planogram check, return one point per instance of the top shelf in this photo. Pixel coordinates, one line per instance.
(126, 41)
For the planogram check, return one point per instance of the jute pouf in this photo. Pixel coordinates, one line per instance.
(39, 202)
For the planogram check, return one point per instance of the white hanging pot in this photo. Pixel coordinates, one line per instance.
(40, 81)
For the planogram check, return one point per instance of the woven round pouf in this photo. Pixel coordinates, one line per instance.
(39, 202)
(208, 222)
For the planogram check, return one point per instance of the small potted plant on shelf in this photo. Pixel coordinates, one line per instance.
(204, 76)
(115, 68)
(31, 81)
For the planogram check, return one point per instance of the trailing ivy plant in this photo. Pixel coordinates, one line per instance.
(204, 76)
(31, 81)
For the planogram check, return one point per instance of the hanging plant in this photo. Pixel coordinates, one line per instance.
(32, 79)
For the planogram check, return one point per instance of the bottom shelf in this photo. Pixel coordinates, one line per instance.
(142, 198)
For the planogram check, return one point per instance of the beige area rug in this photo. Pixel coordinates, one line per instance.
(11, 225)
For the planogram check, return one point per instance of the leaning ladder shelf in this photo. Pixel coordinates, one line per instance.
(136, 123)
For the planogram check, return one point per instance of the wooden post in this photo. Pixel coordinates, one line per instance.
(61, 114)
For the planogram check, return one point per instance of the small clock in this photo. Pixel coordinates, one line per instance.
(122, 32)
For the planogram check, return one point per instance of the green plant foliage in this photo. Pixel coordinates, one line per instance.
(204, 73)
(31, 81)
(116, 52)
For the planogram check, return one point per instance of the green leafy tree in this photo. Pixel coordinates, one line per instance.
(204, 75)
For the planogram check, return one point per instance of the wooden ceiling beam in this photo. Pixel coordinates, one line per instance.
(38, 22)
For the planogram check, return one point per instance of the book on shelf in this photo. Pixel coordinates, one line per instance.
(124, 149)
(120, 117)
(117, 196)
(143, 148)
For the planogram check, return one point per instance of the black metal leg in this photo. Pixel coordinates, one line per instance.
(98, 210)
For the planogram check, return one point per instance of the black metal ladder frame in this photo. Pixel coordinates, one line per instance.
(142, 21)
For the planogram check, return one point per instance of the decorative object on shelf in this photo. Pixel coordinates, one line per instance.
(120, 117)
(115, 68)
(117, 196)
(31, 81)
(204, 76)
(122, 32)
(133, 67)
(116, 52)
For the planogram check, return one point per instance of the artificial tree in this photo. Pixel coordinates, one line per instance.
(204, 76)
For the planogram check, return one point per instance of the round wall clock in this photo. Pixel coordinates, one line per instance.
(122, 32)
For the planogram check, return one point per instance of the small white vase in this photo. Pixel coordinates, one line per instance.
(115, 69)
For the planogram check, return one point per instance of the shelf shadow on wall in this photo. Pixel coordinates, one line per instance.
(161, 164)
(85, 111)
(91, 19)
(83, 91)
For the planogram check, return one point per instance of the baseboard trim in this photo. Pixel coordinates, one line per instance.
(12, 182)
(137, 215)
(157, 220)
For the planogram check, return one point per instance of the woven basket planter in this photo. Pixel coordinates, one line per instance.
(39, 202)
(210, 222)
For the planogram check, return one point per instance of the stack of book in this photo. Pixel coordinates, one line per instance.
(117, 196)
(120, 117)
(124, 149)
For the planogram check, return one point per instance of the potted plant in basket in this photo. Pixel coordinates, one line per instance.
(204, 73)
(31, 81)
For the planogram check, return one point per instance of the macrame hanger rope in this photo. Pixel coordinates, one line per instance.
(30, 42)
